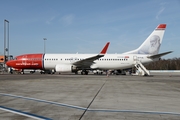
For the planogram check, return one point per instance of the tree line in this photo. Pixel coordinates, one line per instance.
(165, 64)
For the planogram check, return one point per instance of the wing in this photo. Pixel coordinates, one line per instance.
(86, 63)
(159, 55)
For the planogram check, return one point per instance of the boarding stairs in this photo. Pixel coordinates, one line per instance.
(141, 70)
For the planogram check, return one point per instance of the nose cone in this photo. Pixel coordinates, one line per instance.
(10, 63)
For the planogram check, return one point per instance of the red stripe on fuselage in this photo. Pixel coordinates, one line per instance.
(27, 61)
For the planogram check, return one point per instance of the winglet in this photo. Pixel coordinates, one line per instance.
(105, 48)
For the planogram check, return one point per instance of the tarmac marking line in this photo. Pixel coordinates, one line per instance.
(82, 108)
(30, 115)
(134, 111)
(44, 101)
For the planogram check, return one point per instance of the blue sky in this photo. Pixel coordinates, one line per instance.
(84, 26)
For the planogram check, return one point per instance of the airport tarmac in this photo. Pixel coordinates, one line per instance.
(89, 97)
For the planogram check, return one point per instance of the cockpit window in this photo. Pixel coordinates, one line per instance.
(15, 58)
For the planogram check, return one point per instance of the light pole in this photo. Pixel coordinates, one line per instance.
(6, 40)
(6, 44)
(44, 44)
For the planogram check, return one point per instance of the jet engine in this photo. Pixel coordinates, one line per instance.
(65, 68)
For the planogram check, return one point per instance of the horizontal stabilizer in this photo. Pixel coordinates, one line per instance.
(159, 55)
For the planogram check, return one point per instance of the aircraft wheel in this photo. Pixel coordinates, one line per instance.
(86, 72)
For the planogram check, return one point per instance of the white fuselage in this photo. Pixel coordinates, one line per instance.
(109, 61)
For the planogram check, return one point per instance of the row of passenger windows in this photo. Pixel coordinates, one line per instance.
(55, 59)
(113, 59)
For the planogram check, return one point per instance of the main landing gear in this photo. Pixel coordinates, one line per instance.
(84, 72)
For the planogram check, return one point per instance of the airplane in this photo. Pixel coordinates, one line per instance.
(147, 52)
(52, 63)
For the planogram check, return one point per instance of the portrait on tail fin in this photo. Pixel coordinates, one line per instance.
(152, 46)
(153, 42)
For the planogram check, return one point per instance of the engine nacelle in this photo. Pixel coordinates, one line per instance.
(66, 68)
(63, 68)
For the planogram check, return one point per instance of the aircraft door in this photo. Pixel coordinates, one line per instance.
(135, 58)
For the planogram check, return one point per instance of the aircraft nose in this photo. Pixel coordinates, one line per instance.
(9, 63)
